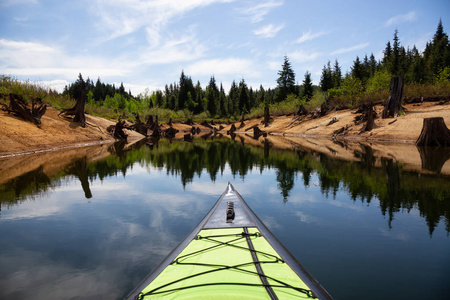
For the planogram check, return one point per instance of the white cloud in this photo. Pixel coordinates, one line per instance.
(184, 48)
(258, 11)
(22, 58)
(350, 49)
(268, 31)
(26, 46)
(410, 16)
(56, 85)
(302, 57)
(307, 36)
(228, 66)
(121, 17)
(305, 218)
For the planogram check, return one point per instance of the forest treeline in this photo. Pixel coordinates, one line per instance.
(367, 81)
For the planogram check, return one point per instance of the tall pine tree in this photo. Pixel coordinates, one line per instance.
(326, 81)
(286, 80)
(307, 87)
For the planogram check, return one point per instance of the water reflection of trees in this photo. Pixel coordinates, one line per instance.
(30, 184)
(397, 190)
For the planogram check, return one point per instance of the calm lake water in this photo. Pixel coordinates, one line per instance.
(95, 229)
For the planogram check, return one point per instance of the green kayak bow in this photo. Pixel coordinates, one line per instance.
(229, 255)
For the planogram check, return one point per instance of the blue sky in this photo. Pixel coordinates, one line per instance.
(146, 44)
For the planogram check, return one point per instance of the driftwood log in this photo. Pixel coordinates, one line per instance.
(334, 120)
(206, 124)
(18, 107)
(434, 133)
(394, 103)
(340, 131)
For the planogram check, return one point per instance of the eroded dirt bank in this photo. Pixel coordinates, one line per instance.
(18, 136)
(391, 138)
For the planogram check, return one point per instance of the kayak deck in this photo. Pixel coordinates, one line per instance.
(229, 255)
(219, 262)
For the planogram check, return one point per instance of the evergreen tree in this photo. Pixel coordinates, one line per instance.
(243, 105)
(260, 97)
(358, 70)
(439, 51)
(98, 91)
(372, 64)
(199, 98)
(167, 97)
(183, 93)
(159, 98)
(387, 55)
(307, 87)
(222, 102)
(122, 90)
(251, 98)
(286, 80)
(233, 98)
(337, 75)
(211, 96)
(395, 67)
(326, 81)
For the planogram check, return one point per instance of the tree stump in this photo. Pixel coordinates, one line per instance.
(117, 131)
(266, 116)
(78, 110)
(149, 120)
(370, 119)
(156, 130)
(394, 103)
(140, 126)
(302, 111)
(434, 133)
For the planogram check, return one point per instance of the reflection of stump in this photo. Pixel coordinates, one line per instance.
(258, 132)
(434, 133)
(433, 158)
(232, 129)
(394, 103)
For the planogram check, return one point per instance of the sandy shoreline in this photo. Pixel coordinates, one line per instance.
(388, 139)
(20, 137)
